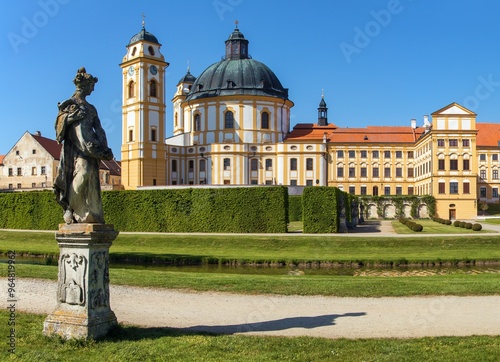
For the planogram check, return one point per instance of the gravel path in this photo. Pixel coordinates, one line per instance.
(329, 317)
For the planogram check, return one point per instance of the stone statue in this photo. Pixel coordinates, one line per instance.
(77, 185)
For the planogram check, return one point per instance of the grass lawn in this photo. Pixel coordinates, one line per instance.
(200, 249)
(433, 227)
(128, 343)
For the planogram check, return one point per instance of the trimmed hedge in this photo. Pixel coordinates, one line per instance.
(231, 210)
(295, 208)
(321, 208)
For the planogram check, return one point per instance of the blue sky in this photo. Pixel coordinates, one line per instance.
(380, 62)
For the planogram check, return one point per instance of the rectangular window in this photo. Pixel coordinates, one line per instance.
(173, 168)
(466, 165)
(363, 171)
(190, 166)
(441, 188)
(465, 143)
(269, 164)
(309, 182)
(387, 154)
(309, 164)
(387, 190)
(375, 154)
(363, 154)
(293, 182)
(495, 175)
(11, 172)
(352, 190)
(453, 165)
(352, 172)
(494, 157)
(399, 154)
(466, 188)
(441, 165)
(33, 152)
(130, 135)
(340, 154)
(269, 182)
(399, 172)
(256, 182)
(410, 154)
(453, 142)
(19, 172)
(352, 154)
(340, 172)
(375, 172)
(363, 190)
(410, 172)
(33, 171)
(482, 192)
(293, 164)
(440, 143)
(482, 157)
(11, 186)
(33, 185)
(227, 164)
(18, 186)
(410, 190)
(203, 166)
(153, 134)
(387, 172)
(482, 174)
(399, 190)
(494, 192)
(453, 187)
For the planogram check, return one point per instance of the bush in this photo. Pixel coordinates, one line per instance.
(456, 223)
(462, 224)
(417, 227)
(295, 208)
(468, 225)
(448, 222)
(477, 227)
(321, 208)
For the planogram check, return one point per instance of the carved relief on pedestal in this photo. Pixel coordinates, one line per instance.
(72, 269)
(99, 280)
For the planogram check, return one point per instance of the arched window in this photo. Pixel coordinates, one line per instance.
(264, 120)
(131, 135)
(134, 50)
(197, 123)
(229, 120)
(254, 164)
(227, 164)
(151, 50)
(131, 87)
(174, 166)
(153, 134)
(309, 164)
(203, 166)
(293, 164)
(153, 88)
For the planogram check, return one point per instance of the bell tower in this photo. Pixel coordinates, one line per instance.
(143, 112)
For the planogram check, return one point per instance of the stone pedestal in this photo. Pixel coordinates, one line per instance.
(83, 309)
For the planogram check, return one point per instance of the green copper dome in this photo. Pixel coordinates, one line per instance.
(237, 74)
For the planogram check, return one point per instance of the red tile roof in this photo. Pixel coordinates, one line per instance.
(113, 166)
(1, 159)
(51, 146)
(370, 134)
(488, 134)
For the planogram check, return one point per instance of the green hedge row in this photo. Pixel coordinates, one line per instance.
(233, 210)
(321, 207)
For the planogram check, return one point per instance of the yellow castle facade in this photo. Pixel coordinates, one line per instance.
(231, 126)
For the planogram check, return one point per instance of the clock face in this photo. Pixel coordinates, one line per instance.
(131, 70)
(153, 69)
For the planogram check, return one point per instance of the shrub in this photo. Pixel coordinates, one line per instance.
(448, 222)
(321, 208)
(417, 227)
(462, 224)
(477, 227)
(468, 225)
(295, 208)
(456, 223)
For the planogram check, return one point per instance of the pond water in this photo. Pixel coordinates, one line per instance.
(290, 270)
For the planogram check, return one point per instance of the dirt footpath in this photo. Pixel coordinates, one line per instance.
(316, 316)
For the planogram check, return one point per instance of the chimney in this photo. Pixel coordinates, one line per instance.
(413, 123)
(426, 121)
(38, 133)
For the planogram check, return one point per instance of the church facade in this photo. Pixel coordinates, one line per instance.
(231, 126)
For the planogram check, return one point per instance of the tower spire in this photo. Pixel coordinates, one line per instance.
(143, 20)
(322, 111)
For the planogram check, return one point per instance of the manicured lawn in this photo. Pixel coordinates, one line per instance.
(200, 249)
(128, 343)
(433, 227)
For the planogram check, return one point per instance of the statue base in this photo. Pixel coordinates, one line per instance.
(83, 309)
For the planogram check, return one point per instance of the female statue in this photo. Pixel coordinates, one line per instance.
(77, 185)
